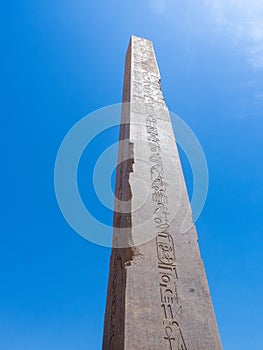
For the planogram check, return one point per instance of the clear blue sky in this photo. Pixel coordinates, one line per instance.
(63, 60)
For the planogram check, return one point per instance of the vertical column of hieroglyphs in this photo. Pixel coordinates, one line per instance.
(187, 320)
(147, 99)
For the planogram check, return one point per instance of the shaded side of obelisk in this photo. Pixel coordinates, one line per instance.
(158, 296)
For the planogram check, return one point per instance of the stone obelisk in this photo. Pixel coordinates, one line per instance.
(158, 296)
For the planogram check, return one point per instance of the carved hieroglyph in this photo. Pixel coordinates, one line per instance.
(158, 296)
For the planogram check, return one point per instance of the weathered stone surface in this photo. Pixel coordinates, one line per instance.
(158, 296)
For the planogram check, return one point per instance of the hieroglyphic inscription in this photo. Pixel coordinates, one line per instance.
(147, 99)
(117, 264)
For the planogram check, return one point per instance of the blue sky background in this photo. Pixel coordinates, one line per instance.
(63, 60)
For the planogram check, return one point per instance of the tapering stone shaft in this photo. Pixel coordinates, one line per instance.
(158, 296)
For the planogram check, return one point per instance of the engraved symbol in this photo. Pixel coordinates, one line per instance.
(167, 296)
(160, 211)
(165, 248)
(159, 184)
(168, 312)
(174, 335)
(156, 170)
(160, 197)
(168, 333)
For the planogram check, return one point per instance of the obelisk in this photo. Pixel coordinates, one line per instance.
(158, 296)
